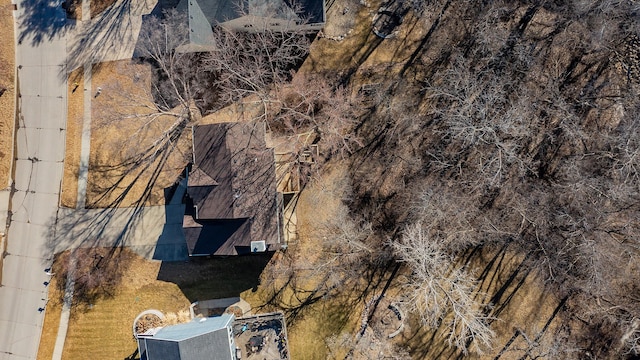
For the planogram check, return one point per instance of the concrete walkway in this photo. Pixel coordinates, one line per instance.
(63, 325)
(153, 232)
(109, 36)
(66, 311)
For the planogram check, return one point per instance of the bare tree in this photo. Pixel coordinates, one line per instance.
(253, 62)
(441, 294)
(309, 105)
(156, 110)
(97, 272)
(483, 117)
(175, 83)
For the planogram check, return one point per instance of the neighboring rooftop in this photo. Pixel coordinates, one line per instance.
(249, 15)
(201, 338)
(222, 11)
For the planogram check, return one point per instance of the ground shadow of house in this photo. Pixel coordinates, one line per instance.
(206, 278)
(231, 207)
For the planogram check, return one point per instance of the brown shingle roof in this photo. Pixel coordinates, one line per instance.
(197, 177)
(235, 179)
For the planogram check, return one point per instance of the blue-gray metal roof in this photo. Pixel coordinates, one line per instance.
(194, 328)
(207, 338)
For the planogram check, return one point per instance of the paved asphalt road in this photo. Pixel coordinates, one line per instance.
(38, 172)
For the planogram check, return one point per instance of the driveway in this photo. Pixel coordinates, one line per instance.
(40, 141)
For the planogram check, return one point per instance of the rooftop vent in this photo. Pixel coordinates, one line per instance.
(258, 246)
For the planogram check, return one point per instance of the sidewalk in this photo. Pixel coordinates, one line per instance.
(109, 38)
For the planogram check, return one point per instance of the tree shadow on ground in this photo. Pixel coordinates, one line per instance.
(111, 35)
(301, 296)
(505, 280)
(205, 278)
(42, 20)
(114, 226)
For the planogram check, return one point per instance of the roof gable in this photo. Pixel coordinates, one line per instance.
(197, 177)
(217, 237)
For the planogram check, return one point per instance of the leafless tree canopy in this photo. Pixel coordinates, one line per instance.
(255, 67)
(517, 123)
(439, 292)
(253, 63)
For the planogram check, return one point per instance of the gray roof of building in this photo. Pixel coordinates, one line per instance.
(194, 328)
(206, 338)
(220, 11)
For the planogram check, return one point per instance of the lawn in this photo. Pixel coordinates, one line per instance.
(75, 107)
(7, 98)
(120, 133)
(103, 329)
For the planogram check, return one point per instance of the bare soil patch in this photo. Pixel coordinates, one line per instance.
(7, 91)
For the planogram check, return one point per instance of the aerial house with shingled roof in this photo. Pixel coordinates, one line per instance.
(232, 200)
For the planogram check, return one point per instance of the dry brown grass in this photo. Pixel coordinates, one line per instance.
(74, 9)
(363, 50)
(51, 321)
(7, 99)
(75, 108)
(114, 140)
(104, 330)
(98, 6)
